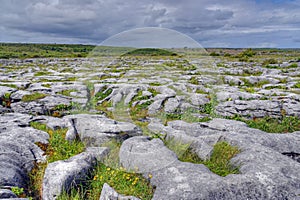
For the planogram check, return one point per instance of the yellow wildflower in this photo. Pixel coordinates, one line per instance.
(95, 177)
(150, 176)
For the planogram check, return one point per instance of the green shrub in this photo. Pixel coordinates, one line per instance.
(214, 54)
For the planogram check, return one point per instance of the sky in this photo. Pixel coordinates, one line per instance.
(212, 23)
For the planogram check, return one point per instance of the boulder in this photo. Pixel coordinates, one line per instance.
(65, 174)
(95, 130)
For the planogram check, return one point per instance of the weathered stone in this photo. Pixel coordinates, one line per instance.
(264, 172)
(108, 193)
(6, 90)
(198, 99)
(156, 106)
(171, 105)
(95, 130)
(141, 154)
(63, 175)
(18, 149)
(18, 95)
(7, 194)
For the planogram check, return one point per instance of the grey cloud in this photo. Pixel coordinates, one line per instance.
(232, 23)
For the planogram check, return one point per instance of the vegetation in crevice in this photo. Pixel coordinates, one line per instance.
(33, 96)
(57, 149)
(109, 171)
(219, 161)
(285, 124)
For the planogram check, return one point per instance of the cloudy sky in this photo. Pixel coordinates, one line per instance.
(213, 23)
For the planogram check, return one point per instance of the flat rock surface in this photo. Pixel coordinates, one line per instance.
(264, 173)
(132, 100)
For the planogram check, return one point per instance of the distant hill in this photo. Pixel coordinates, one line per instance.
(150, 52)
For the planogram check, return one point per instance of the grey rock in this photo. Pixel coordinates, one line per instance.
(63, 175)
(233, 80)
(7, 194)
(37, 87)
(147, 93)
(171, 105)
(4, 90)
(95, 130)
(142, 155)
(18, 149)
(236, 95)
(260, 108)
(198, 99)
(156, 106)
(108, 193)
(18, 95)
(42, 106)
(264, 172)
(51, 122)
(168, 92)
(129, 97)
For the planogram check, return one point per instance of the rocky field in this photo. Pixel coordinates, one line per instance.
(69, 125)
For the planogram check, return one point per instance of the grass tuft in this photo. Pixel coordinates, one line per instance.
(219, 162)
(33, 97)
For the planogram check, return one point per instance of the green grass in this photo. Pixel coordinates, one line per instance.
(218, 163)
(258, 84)
(140, 111)
(149, 52)
(33, 97)
(57, 149)
(5, 100)
(42, 73)
(281, 87)
(286, 124)
(123, 182)
(47, 85)
(103, 107)
(110, 172)
(271, 125)
(194, 80)
(67, 92)
(153, 91)
(187, 116)
(20, 50)
(297, 85)
(103, 93)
